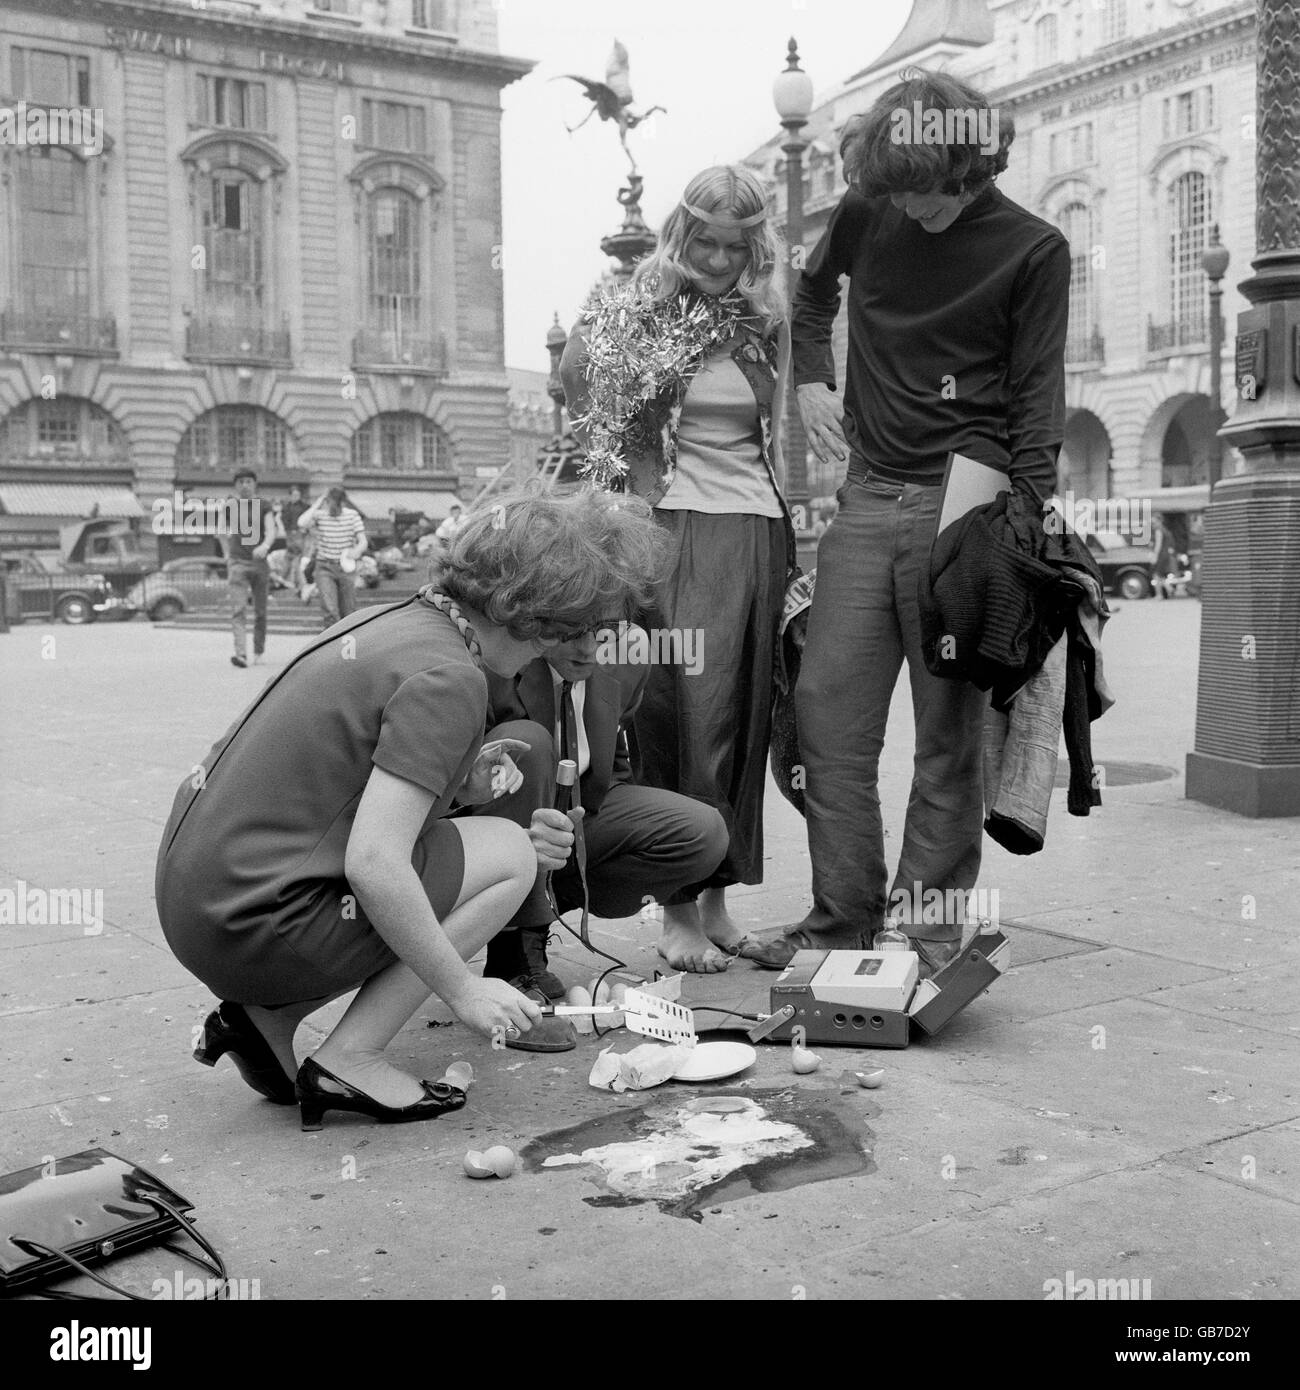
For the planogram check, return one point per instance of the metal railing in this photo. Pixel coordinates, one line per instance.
(1085, 347)
(216, 340)
(390, 348)
(52, 331)
(1188, 332)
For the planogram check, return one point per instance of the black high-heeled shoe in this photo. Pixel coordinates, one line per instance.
(314, 1100)
(229, 1029)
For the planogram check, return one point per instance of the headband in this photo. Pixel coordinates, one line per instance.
(727, 223)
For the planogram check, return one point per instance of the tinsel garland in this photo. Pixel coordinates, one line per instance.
(641, 353)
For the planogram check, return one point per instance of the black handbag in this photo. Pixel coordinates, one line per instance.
(69, 1213)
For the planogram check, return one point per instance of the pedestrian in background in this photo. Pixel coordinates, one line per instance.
(290, 514)
(248, 543)
(340, 537)
(448, 528)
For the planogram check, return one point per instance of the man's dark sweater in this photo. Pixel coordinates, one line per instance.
(956, 338)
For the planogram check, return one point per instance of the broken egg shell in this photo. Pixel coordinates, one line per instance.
(477, 1166)
(804, 1061)
(460, 1075)
(870, 1079)
(500, 1159)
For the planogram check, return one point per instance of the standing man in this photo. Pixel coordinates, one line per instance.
(957, 310)
(248, 539)
(340, 542)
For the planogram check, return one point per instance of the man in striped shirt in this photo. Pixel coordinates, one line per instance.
(340, 542)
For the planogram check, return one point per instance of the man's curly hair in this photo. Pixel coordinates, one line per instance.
(876, 164)
(539, 563)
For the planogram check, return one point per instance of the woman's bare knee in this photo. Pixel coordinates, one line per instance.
(496, 851)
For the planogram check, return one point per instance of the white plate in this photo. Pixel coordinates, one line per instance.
(711, 1061)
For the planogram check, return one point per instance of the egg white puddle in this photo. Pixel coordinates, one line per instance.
(694, 1149)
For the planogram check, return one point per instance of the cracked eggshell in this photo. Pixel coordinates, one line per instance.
(500, 1159)
(476, 1165)
(870, 1079)
(804, 1061)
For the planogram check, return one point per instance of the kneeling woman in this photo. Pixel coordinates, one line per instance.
(311, 854)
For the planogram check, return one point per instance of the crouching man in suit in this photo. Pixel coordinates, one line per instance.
(642, 843)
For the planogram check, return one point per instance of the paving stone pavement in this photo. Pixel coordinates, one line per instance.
(1123, 1104)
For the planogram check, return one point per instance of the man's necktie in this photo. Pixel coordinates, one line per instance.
(568, 723)
(569, 749)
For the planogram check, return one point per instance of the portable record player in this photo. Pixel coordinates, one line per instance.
(873, 998)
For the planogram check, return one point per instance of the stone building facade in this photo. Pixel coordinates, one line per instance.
(286, 253)
(1134, 134)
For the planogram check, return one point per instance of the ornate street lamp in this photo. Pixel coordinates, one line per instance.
(1215, 264)
(1247, 756)
(792, 94)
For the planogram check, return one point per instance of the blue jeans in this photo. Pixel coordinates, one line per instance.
(864, 621)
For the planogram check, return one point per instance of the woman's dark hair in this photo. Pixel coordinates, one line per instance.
(539, 563)
(883, 153)
(337, 499)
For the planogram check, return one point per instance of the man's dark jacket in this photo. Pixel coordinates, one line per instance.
(612, 695)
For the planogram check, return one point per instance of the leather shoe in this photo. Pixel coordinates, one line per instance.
(776, 952)
(533, 941)
(228, 1029)
(551, 1034)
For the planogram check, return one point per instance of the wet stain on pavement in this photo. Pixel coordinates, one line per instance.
(686, 1153)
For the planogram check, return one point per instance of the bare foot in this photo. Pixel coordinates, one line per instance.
(684, 945)
(372, 1075)
(718, 924)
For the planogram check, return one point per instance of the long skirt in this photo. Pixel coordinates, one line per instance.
(705, 718)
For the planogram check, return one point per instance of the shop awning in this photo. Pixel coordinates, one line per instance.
(380, 504)
(68, 500)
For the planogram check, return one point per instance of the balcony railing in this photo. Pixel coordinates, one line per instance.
(51, 331)
(1081, 348)
(387, 348)
(1166, 337)
(214, 340)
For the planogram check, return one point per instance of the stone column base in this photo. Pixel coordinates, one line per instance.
(1248, 789)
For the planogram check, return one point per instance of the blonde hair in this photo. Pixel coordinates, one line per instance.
(727, 190)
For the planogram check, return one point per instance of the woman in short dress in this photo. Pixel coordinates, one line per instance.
(311, 854)
(700, 443)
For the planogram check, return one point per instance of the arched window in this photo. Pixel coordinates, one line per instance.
(235, 436)
(1189, 215)
(66, 427)
(400, 441)
(394, 299)
(1045, 35)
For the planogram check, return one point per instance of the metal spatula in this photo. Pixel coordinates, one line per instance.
(642, 1013)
